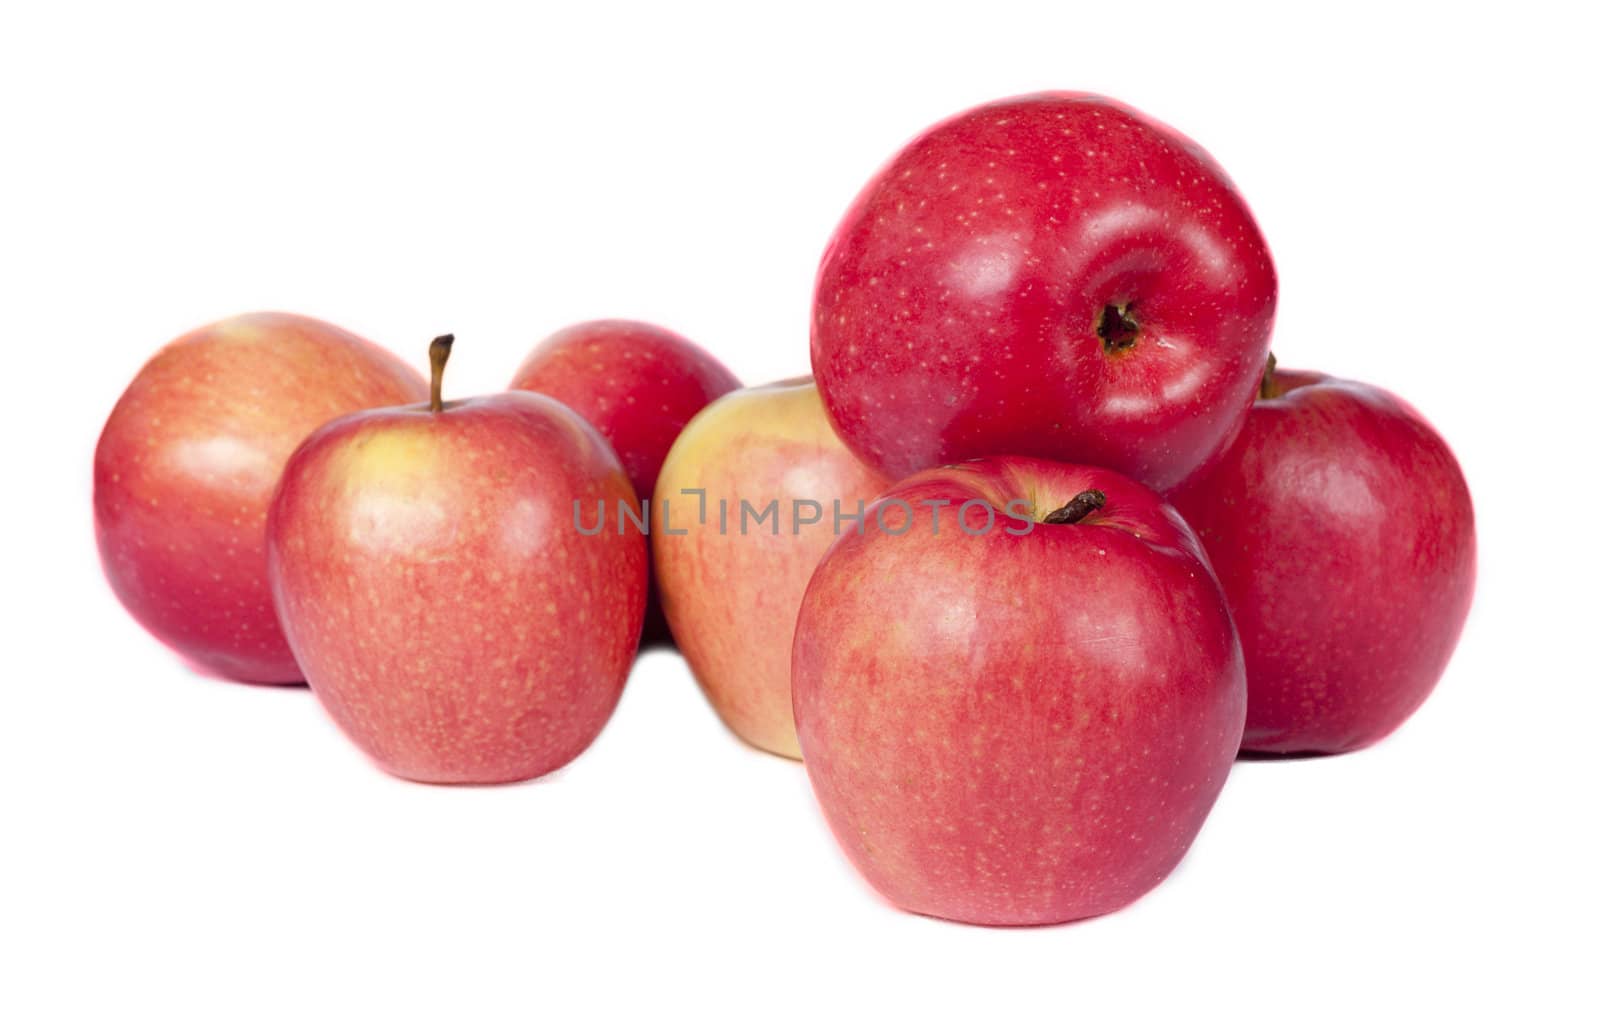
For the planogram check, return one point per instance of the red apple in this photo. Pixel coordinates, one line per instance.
(186, 465)
(1023, 724)
(429, 571)
(1342, 531)
(1054, 275)
(732, 586)
(638, 384)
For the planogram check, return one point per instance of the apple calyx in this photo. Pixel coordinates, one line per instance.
(1269, 382)
(1117, 328)
(438, 356)
(1082, 505)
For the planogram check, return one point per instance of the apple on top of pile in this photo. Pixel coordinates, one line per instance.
(1048, 540)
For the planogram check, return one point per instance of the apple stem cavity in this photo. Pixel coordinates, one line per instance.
(1085, 503)
(1117, 328)
(1269, 382)
(438, 356)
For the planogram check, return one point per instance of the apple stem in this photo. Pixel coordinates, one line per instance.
(1117, 328)
(1085, 503)
(438, 356)
(1269, 385)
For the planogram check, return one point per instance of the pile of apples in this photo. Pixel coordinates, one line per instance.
(1002, 574)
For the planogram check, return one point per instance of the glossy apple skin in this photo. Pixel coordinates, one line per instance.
(1341, 528)
(638, 384)
(185, 468)
(732, 598)
(958, 304)
(435, 588)
(1017, 730)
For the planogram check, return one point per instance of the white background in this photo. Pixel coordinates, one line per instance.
(176, 848)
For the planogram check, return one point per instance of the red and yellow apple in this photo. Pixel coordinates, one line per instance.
(1341, 528)
(430, 574)
(1018, 693)
(187, 463)
(732, 586)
